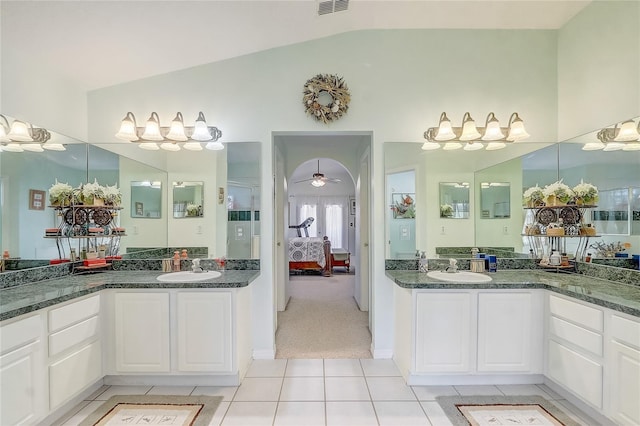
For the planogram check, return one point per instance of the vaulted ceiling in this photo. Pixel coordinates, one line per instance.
(96, 44)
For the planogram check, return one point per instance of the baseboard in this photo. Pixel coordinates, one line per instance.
(381, 353)
(264, 354)
(174, 380)
(464, 379)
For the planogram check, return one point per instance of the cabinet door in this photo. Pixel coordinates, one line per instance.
(505, 334)
(22, 398)
(576, 372)
(204, 331)
(142, 332)
(625, 384)
(70, 375)
(443, 332)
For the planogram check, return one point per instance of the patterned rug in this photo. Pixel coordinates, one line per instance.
(168, 410)
(503, 410)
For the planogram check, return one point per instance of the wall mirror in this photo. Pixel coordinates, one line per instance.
(188, 199)
(495, 200)
(401, 214)
(146, 199)
(454, 200)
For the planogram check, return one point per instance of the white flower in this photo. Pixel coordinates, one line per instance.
(558, 189)
(585, 190)
(92, 190)
(58, 189)
(535, 192)
(112, 194)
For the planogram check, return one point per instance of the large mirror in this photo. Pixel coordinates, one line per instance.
(521, 165)
(135, 172)
(495, 200)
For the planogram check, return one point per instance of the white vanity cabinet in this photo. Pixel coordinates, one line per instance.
(74, 349)
(575, 348)
(23, 394)
(175, 332)
(624, 369)
(477, 332)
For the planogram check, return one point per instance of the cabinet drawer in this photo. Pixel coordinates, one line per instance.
(72, 374)
(19, 333)
(64, 339)
(580, 375)
(586, 316)
(625, 331)
(74, 312)
(582, 337)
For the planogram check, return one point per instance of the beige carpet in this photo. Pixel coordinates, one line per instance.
(322, 320)
(174, 410)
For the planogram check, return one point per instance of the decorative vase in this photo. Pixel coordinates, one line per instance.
(579, 201)
(553, 201)
(98, 201)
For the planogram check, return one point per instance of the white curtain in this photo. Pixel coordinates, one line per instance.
(330, 217)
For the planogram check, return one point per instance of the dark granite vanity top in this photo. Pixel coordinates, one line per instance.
(613, 295)
(26, 298)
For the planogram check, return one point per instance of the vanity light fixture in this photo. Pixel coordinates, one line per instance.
(473, 135)
(152, 133)
(623, 136)
(21, 136)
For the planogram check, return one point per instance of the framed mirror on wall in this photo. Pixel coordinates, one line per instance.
(188, 199)
(454, 200)
(146, 199)
(495, 200)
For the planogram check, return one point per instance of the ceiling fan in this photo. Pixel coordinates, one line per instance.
(319, 179)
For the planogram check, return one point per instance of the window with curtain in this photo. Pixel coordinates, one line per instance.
(330, 217)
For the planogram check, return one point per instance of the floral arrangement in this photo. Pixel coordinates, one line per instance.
(609, 250)
(192, 209)
(112, 195)
(322, 85)
(585, 193)
(533, 197)
(403, 207)
(446, 210)
(90, 192)
(557, 193)
(60, 194)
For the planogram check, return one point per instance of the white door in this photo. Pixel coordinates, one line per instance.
(142, 332)
(363, 286)
(280, 254)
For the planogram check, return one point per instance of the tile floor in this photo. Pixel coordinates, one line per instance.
(308, 392)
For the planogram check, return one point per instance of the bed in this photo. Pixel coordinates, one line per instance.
(340, 258)
(310, 254)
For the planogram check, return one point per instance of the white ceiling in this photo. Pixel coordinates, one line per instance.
(101, 43)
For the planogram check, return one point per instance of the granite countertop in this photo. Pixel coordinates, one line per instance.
(613, 295)
(26, 298)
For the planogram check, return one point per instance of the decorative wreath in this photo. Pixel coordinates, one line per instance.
(326, 97)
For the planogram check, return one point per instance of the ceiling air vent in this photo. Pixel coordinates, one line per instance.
(330, 6)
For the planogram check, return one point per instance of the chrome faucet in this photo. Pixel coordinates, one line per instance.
(453, 266)
(195, 266)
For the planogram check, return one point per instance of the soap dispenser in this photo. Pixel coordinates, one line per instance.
(555, 259)
(423, 264)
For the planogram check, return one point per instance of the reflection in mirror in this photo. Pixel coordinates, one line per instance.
(454, 200)
(243, 200)
(146, 199)
(188, 199)
(401, 188)
(495, 200)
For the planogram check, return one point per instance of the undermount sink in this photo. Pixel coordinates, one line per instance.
(460, 276)
(188, 276)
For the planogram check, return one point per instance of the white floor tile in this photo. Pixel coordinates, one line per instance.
(79, 416)
(429, 393)
(436, 415)
(267, 368)
(226, 392)
(221, 411)
(250, 414)
(300, 413)
(123, 390)
(342, 367)
(353, 413)
(523, 390)
(389, 389)
(346, 389)
(302, 389)
(259, 389)
(379, 367)
(304, 367)
(171, 390)
(475, 390)
(400, 413)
